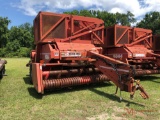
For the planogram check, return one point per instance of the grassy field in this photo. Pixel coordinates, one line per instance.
(19, 100)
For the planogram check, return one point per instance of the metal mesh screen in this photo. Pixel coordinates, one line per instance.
(48, 21)
(141, 34)
(58, 32)
(36, 29)
(95, 40)
(50, 27)
(130, 33)
(157, 43)
(110, 37)
(119, 32)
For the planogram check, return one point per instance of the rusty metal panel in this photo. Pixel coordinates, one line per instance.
(37, 77)
(58, 32)
(49, 26)
(37, 28)
(75, 46)
(119, 35)
(142, 37)
(54, 27)
(156, 43)
(109, 40)
(48, 21)
(116, 35)
(121, 39)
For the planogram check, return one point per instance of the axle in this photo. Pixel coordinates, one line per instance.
(146, 72)
(71, 72)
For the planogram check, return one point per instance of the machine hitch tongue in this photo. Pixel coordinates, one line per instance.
(138, 87)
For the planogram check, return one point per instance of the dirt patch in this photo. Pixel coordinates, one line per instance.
(116, 114)
(105, 116)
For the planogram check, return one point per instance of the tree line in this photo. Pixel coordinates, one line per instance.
(18, 41)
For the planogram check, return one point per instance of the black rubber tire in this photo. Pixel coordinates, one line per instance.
(1, 76)
(30, 74)
(2, 72)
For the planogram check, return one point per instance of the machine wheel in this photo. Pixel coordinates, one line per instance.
(1, 75)
(30, 74)
(2, 72)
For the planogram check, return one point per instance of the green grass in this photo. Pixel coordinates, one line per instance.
(19, 100)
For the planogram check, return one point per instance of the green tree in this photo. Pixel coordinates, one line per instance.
(4, 22)
(86, 13)
(12, 49)
(20, 40)
(73, 12)
(151, 21)
(22, 33)
(28, 35)
(109, 18)
(13, 46)
(125, 19)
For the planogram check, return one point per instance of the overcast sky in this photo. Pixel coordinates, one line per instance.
(21, 11)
